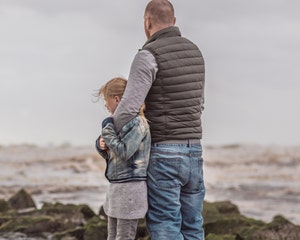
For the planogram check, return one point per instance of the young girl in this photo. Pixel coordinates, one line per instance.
(127, 155)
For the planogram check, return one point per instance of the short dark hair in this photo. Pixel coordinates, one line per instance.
(161, 12)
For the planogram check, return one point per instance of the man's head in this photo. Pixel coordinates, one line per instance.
(159, 14)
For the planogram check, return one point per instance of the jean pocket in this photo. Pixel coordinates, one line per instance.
(166, 172)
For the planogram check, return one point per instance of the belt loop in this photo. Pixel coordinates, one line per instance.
(189, 143)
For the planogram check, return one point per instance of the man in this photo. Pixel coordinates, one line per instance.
(168, 74)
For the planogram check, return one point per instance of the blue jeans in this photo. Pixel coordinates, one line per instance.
(175, 192)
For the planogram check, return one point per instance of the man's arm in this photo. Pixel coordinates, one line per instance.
(128, 143)
(142, 74)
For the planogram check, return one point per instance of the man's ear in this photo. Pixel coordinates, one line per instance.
(148, 23)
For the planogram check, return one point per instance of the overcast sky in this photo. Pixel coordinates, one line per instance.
(55, 54)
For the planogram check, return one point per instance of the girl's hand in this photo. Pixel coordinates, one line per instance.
(102, 144)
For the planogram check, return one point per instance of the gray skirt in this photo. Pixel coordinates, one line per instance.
(126, 200)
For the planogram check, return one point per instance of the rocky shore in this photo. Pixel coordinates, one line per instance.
(21, 219)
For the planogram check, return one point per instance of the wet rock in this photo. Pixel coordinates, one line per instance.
(102, 214)
(4, 206)
(31, 225)
(226, 207)
(280, 228)
(95, 230)
(21, 200)
(77, 214)
(142, 232)
(212, 236)
(87, 212)
(71, 234)
(222, 221)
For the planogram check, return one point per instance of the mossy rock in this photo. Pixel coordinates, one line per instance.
(280, 228)
(222, 220)
(102, 214)
(4, 206)
(21, 200)
(30, 225)
(87, 212)
(227, 208)
(219, 210)
(212, 236)
(94, 228)
(231, 225)
(95, 232)
(78, 214)
(142, 231)
(75, 233)
(3, 220)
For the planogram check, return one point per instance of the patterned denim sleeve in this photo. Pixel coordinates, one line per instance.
(127, 142)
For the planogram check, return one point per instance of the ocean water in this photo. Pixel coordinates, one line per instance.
(65, 174)
(263, 181)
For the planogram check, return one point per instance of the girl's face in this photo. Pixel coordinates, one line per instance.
(111, 103)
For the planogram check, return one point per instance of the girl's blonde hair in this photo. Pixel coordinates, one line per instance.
(116, 87)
